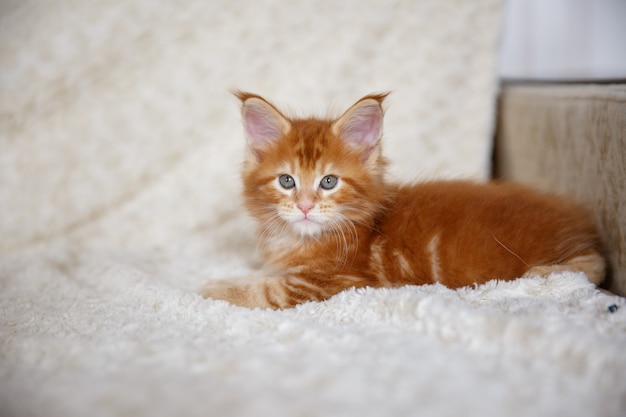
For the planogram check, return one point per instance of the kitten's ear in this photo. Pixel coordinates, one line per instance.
(262, 122)
(361, 125)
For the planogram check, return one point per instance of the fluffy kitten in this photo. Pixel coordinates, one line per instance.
(328, 221)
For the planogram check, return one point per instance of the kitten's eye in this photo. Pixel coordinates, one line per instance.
(286, 181)
(329, 182)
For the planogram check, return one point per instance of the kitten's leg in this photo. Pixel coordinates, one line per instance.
(263, 291)
(591, 264)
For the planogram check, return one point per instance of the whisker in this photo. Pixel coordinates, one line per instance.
(345, 234)
(273, 226)
(244, 230)
(510, 251)
(342, 250)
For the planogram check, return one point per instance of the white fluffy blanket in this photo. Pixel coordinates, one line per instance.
(110, 339)
(119, 155)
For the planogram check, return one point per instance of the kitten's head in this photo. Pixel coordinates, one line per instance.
(307, 177)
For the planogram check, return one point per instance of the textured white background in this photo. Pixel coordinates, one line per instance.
(122, 109)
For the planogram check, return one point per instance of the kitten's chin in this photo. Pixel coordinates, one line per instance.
(307, 228)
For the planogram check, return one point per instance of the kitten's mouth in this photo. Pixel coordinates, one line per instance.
(307, 227)
(307, 222)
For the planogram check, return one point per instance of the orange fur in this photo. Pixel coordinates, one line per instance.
(366, 232)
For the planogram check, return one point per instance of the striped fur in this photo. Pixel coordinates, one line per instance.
(364, 231)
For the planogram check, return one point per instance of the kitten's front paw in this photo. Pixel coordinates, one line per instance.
(218, 290)
(242, 291)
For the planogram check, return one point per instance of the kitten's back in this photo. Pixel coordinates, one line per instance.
(460, 232)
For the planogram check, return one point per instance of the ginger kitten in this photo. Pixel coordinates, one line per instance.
(328, 221)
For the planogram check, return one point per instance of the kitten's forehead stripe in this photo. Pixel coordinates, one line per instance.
(310, 141)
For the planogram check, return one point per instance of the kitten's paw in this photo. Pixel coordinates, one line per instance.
(218, 290)
(249, 292)
(592, 265)
(543, 271)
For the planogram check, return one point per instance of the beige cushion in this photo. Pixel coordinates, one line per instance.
(571, 139)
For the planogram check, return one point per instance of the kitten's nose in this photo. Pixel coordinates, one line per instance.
(305, 206)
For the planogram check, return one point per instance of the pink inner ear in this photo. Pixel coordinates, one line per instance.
(363, 125)
(260, 122)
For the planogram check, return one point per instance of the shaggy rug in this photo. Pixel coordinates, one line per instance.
(81, 336)
(119, 197)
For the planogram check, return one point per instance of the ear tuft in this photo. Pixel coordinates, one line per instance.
(361, 125)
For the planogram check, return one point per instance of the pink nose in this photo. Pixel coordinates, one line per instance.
(305, 206)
